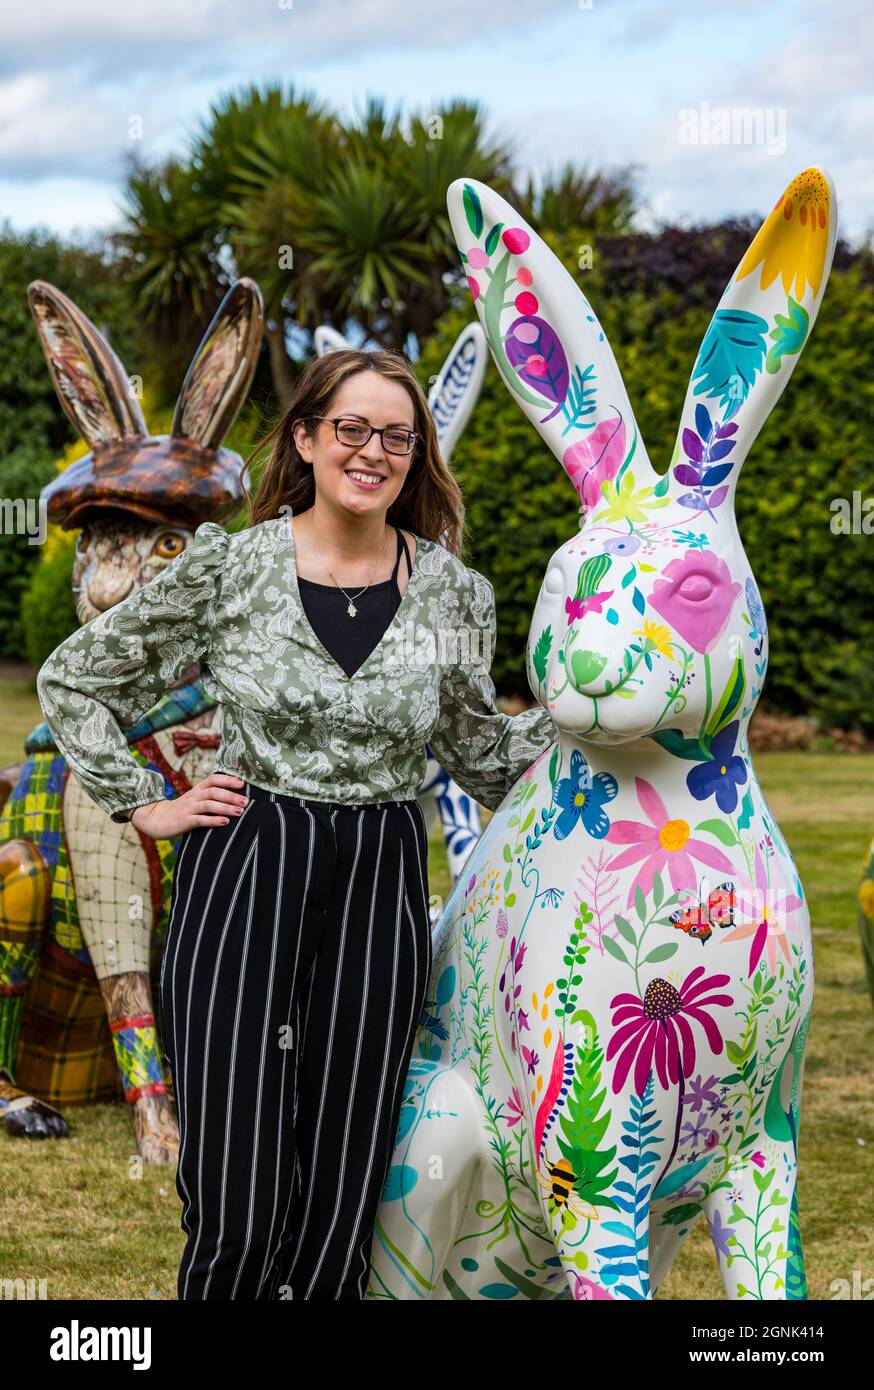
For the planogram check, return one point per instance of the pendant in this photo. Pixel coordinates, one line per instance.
(351, 610)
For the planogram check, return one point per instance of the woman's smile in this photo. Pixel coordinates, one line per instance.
(364, 478)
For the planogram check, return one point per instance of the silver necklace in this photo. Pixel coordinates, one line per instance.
(351, 609)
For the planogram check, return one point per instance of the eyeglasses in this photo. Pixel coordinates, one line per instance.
(355, 434)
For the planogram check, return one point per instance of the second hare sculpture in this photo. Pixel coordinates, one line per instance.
(622, 983)
(86, 900)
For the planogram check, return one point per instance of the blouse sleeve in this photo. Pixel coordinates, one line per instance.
(104, 677)
(483, 749)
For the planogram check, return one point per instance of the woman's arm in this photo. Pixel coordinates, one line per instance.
(483, 749)
(105, 676)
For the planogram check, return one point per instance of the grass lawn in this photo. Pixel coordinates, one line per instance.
(87, 1216)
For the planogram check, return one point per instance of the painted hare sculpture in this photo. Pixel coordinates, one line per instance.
(83, 896)
(614, 1036)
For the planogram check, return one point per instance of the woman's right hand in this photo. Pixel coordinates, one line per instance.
(214, 801)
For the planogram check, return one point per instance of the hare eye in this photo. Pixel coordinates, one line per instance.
(696, 587)
(169, 546)
(553, 581)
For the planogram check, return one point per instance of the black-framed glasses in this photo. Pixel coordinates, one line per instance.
(355, 434)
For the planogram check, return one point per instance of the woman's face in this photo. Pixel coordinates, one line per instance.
(371, 398)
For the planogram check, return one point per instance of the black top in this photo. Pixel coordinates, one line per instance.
(351, 640)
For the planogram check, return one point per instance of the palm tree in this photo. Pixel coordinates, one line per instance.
(168, 256)
(343, 224)
(261, 161)
(359, 212)
(574, 200)
(445, 145)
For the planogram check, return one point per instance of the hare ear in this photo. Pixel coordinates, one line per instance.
(222, 368)
(546, 342)
(91, 383)
(754, 341)
(455, 392)
(327, 339)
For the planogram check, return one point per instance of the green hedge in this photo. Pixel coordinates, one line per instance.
(26, 471)
(33, 427)
(48, 611)
(29, 411)
(655, 296)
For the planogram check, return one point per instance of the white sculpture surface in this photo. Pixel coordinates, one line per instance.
(614, 1037)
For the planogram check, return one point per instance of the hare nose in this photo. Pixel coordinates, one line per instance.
(553, 581)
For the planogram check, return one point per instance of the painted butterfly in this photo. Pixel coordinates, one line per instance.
(699, 918)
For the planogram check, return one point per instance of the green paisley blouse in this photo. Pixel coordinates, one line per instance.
(292, 721)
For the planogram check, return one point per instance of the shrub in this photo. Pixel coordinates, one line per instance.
(48, 612)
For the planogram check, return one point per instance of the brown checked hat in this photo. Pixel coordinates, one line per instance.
(185, 477)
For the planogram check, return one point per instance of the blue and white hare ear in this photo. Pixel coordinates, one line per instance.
(456, 391)
(222, 368)
(327, 339)
(548, 345)
(754, 341)
(92, 385)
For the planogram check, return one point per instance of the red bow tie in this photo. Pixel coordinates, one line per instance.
(183, 739)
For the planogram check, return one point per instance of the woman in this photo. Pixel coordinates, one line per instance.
(340, 635)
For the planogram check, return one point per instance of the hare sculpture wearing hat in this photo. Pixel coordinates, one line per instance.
(623, 975)
(84, 896)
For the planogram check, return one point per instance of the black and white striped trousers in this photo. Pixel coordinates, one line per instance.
(297, 959)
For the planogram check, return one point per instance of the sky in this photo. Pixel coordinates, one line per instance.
(661, 84)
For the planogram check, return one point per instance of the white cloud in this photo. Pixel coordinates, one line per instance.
(42, 134)
(820, 77)
(54, 33)
(558, 82)
(80, 209)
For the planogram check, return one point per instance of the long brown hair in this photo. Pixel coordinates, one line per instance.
(430, 503)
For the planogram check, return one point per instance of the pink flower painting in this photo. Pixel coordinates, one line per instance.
(768, 919)
(657, 1028)
(695, 595)
(596, 459)
(665, 843)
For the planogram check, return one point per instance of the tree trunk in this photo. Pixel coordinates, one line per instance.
(280, 363)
